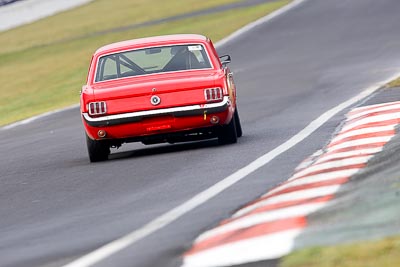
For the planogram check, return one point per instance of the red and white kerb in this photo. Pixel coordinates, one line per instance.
(267, 227)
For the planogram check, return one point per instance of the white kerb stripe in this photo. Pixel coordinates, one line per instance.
(362, 131)
(371, 119)
(309, 160)
(304, 164)
(262, 217)
(322, 177)
(332, 164)
(389, 106)
(292, 196)
(363, 141)
(365, 108)
(265, 247)
(352, 153)
(333, 174)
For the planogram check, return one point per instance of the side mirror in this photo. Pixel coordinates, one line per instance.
(225, 59)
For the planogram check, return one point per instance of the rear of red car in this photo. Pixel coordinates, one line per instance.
(159, 89)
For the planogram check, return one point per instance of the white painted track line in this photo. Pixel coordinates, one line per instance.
(32, 119)
(279, 242)
(23, 12)
(172, 215)
(260, 21)
(167, 218)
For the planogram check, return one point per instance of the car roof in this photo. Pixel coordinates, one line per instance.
(149, 41)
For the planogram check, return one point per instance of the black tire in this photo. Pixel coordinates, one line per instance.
(239, 131)
(97, 150)
(227, 133)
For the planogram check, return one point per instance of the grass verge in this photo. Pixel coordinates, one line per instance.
(395, 83)
(382, 253)
(44, 65)
(99, 15)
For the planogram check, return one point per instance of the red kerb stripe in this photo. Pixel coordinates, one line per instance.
(249, 232)
(362, 136)
(281, 205)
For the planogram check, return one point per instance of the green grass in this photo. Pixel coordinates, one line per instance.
(97, 16)
(44, 65)
(395, 83)
(382, 253)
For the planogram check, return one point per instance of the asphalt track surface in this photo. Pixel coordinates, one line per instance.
(55, 206)
(17, 13)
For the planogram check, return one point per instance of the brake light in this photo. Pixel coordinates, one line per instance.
(213, 94)
(97, 108)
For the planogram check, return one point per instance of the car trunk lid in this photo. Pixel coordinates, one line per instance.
(142, 93)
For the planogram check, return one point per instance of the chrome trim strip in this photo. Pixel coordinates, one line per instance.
(137, 116)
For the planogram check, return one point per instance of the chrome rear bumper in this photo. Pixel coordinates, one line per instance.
(176, 112)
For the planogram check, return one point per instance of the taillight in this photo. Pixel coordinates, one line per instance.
(97, 108)
(213, 94)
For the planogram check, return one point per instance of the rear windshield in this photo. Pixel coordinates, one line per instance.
(152, 60)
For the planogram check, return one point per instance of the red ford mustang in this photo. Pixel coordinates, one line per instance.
(160, 89)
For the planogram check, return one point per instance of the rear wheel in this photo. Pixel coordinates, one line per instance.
(97, 150)
(228, 134)
(239, 131)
